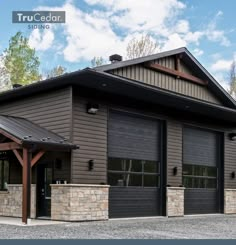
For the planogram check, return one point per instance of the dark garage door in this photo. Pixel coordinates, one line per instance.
(133, 166)
(201, 157)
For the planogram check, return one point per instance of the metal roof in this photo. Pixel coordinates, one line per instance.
(95, 80)
(74, 78)
(143, 59)
(30, 133)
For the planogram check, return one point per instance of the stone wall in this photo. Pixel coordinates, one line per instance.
(230, 201)
(77, 202)
(175, 201)
(11, 201)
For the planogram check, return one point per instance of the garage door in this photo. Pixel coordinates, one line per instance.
(133, 166)
(201, 157)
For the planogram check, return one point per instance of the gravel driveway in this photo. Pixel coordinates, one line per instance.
(199, 227)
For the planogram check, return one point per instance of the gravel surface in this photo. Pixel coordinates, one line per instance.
(194, 227)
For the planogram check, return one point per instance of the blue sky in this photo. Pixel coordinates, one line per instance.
(103, 27)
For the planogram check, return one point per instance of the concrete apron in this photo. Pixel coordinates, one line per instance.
(31, 222)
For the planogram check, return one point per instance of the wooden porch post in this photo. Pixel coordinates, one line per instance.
(26, 200)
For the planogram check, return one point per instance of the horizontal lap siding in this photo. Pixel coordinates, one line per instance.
(90, 133)
(50, 110)
(174, 152)
(230, 162)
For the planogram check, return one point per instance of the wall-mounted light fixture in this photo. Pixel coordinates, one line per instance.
(92, 108)
(90, 165)
(175, 171)
(232, 136)
(233, 175)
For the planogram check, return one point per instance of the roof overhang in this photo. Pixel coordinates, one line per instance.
(139, 91)
(112, 84)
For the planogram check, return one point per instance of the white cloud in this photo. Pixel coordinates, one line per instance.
(198, 52)
(182, 26)
(214, 34)
(148, 15)
(217, 36)
(41, 40)
(194, 37)
(219, 13)
(216, 56)
(90, 34)
(221, 65)
(94, 32)
(174, 41)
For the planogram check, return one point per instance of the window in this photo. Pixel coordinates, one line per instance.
(4, 174)
(132, 172)
(195, 176)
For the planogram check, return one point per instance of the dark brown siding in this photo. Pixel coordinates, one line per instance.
(154, 78)
(174, 152)
(51, 110)
(90, 133)
(230, 162)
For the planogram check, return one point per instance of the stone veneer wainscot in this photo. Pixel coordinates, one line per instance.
(79, 202)
(11, 201)
(230, 201)
(175, 201)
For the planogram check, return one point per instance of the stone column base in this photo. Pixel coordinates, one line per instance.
(230, 201)
(175, 201)
(11, 201)
(77, 202)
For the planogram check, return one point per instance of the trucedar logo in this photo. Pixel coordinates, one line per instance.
(38, 17)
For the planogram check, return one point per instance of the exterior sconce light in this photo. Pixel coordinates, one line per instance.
(233, 175)
(175, 171)
(232, 136)
(92, 108)
(90, 165)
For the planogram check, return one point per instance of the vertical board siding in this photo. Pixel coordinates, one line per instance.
(230, 162)
(174, 152)
(49, 110)
(90, 133)
(154, 78)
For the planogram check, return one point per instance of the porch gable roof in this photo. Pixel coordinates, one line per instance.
(27, 133)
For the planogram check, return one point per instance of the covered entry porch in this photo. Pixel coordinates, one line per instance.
(29, 154)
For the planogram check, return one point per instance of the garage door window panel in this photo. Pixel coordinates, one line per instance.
(195, 176)
(133, 172)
